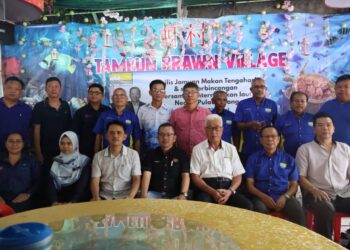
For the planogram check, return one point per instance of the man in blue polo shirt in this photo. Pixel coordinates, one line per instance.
(296, 125)
(272, 178)
(15, 114)
(339, 109)
(252, 114)
(231, 132)
(122, 114)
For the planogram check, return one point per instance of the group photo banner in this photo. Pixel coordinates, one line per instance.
(291, 51)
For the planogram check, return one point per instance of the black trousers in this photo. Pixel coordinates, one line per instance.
(324, 212)
(236, 200)
(292, 210)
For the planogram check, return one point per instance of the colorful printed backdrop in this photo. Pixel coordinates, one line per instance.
(291, 51)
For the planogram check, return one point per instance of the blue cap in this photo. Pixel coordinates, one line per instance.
(24, 235)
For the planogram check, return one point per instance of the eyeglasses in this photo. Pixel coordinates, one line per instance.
(213, 128)
(119, 95)
(165, 134)
(94, 93)
(158, 91)
(15, 141)
(187, 93)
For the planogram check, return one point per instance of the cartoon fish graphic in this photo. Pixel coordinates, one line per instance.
(62, 63)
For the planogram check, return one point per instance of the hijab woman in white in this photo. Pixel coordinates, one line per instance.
(70, 172)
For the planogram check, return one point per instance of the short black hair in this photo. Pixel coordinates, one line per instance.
(342, 78)
(14, 78)
(320, 115)
(118, 123)
(167, 124)
(157, 81)
(294, 93)
(97, 85)
(217, 92)
(191, 85)
(51, 79)
(266, 127)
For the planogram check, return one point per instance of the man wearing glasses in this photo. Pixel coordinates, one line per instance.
(216, 170)
(122, 114)
(252, 114)
(85, 119)
(166, 168)
(152, 115)
(189, 120)
(272, 178)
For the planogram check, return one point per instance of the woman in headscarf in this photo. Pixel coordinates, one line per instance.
(70, 172)
(19, 174)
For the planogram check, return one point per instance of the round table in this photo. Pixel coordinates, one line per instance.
(175, 224)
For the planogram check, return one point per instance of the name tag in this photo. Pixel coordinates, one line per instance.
(268, 110)
(283, 165)
(229, 122)
(127, 122)
(311, 124)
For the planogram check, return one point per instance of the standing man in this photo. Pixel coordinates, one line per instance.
(15, 114)
(122, 114)
(166, 168)
(339, 108)
(116, 170)
(231, 132)
(152, 115)
(135, 104)
(216, 170)
(324, 168)
(252, 114)
(189, 120)
(296, 126)
(85, 118)
(51, 118)
(272, 178)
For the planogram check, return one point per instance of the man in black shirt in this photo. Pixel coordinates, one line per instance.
(85, 118)
(166, 168)
(51, 118)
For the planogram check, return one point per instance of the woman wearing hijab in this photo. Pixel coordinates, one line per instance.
(19, 174)
(70, 172)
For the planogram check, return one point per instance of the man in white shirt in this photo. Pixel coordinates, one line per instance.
(324, 169)
(216, 170)
(116, 170)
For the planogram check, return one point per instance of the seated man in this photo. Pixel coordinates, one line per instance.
(116, 170)
(324, 168)
(166, 168)
(272, 178)
(216, 170)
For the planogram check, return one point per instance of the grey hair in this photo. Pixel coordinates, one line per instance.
(213, 117)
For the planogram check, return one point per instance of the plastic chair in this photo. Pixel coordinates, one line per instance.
(336, 223)
(278, 214)
(5, 210)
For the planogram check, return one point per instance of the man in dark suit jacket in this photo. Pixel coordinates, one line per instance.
(135, 103)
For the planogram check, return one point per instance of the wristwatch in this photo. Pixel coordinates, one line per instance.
(287, 196)
(232, 190)
(184, 194)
